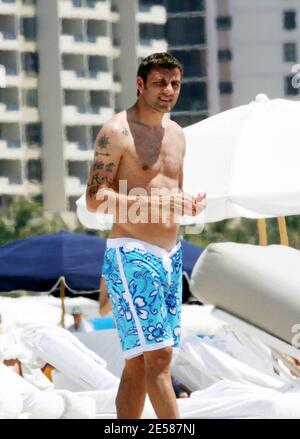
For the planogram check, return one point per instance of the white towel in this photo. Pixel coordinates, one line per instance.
(229, 399)
(11, 404)
(77, 407)
(67, 354)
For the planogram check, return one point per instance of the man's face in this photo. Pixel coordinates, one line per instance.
(161, 89)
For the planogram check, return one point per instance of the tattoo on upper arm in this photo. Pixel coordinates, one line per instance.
(109, 167)
(97, 166)
(105, 154)
(98, 179)
(103, 141)
(125, 131)
(92, 190)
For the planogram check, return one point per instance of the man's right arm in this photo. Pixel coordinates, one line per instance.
(108, 150)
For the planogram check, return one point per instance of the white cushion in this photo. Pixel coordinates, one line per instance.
(258, 284)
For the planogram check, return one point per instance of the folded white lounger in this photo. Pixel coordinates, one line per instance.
(254, 288)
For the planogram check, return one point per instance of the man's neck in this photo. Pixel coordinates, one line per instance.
(147, 115)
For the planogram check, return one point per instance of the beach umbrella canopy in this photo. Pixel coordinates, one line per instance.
(38, 263)
(246, 160)
(190, 254)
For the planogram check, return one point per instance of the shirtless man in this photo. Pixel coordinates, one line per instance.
(142, 268)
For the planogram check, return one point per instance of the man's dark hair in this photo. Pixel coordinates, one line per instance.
(158, 60)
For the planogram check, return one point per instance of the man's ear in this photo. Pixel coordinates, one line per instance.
(140, 84)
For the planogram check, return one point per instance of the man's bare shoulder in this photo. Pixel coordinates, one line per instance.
(175, 127)
(178, 131)
(115, 131)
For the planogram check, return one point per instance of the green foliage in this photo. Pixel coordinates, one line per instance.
(245, 231)
(26, 218)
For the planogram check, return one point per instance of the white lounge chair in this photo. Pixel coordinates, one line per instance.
(257, 290)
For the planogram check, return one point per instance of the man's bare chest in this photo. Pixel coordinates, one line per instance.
(143, 163)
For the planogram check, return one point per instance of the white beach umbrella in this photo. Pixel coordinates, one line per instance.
(247, 160)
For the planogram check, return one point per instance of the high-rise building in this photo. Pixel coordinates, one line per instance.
(68, 65)
(187, 41)
(20, 121)
(258, 44)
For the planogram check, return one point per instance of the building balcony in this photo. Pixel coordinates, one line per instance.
(152, 14)
(75, 186)
(32, 153)
(11, 185)
(27, 45)
(33, 188)
(148, 46)
(93, 10)
(30, 115)
(9, 112)
(8, 7)
(13, 77)
(92, 80)
(8, 40)
(27, 8)
(10, 149)
(93, 45)
(78, 151)
(82, 115)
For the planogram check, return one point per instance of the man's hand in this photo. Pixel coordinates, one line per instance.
(182, 203)
(199, 204)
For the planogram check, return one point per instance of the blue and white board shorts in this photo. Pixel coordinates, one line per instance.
(144, 283)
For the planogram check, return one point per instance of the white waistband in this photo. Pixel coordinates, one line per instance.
(142, 245)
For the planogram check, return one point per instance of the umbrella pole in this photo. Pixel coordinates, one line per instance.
(62, 298)
(284, 238)
(262, 231)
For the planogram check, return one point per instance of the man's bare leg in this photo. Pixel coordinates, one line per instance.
(132, 390)
(159, 383)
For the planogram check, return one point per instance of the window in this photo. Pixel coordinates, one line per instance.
(289, 89)
(151, 31)
(38, 199)
(184, 5)
(193, 61)
(98, 63)
(90, 3)
(77, 3)
(289, 20)
(29, 27)
(33, 133)
(225, 55)
(183, 32)
(30, 62)
(187, 120)
(34, 170)
(193, 97)
(225, 87)
(152, 2)
(290, 52)
(30, 97)
(224, 22)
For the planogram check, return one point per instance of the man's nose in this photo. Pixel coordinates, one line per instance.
(169, 89)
